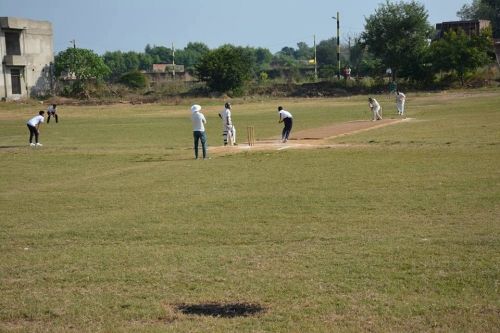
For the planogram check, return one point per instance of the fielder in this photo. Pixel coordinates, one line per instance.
(228, 129)
(34, 128)
(400, 102)
(375, 108)
(52, 111)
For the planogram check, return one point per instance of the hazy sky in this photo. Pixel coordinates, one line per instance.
(128, 25)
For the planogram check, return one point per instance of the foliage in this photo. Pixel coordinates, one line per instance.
(161, 53)
(122, 62)
(80, 66)
(398, 34)
(483, 10)
(326, 52)
(263, 57)
(371, 66)
(82, 63)
(134, 79)
(225, 69)
(461, 53)
(191, 55)
(356, 55)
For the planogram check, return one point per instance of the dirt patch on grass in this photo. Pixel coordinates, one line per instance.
(222, 310)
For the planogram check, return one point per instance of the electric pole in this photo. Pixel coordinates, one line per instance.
(315, 61)
(173, 61)
(338, 44)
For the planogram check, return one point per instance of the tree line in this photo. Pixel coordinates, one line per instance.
(397, 36)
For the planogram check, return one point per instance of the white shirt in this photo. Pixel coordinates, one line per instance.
(374, 104)
(198, 120)
(400, 97)
(35, 121)
(51, 109)
(285, 114)
(226, 117)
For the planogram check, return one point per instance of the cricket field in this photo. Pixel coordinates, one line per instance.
(113, 226)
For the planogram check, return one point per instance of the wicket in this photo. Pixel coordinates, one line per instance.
(251, 135)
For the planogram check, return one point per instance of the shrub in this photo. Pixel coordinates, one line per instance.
(135, 79)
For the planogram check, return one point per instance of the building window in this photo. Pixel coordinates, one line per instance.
(15, 75)
(12, 43)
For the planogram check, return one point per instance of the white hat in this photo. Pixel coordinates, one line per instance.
(195, 108)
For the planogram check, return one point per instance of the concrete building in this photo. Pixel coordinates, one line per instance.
(471, 28)
(26, 50)
(165, 72)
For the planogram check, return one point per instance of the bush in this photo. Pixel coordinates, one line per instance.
(135, 79)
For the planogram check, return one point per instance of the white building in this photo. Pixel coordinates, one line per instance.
(26, 50)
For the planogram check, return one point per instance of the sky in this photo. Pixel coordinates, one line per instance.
(128, 25)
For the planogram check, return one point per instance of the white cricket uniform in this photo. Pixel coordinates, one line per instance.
(400, 103)
(375, 106)
(284, 114)
(35, 121)
(228, 129)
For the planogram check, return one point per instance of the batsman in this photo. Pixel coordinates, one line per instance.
(228, 129)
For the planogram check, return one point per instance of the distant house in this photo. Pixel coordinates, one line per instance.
(471, 28)
(26, 50)
(167, 72)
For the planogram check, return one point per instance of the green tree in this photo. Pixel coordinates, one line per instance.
(303, 52)
(398, 34)
(120, 63)
(458, 52)
(191, 55)
(225, 69)
(356, 55)
(83, 65)
(160, 53)
(134, 79)
(263, 57)
(326, 52)
(116, 63)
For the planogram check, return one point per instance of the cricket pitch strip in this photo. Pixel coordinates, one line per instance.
(311, 138)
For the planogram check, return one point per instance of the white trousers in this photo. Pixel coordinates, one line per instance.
(401, 107)
(376, 113)
(229, 135)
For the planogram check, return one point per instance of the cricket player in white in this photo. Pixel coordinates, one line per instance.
(400, 102)
(34, 128)
(376, 109)
(287, 118)
(228, 129)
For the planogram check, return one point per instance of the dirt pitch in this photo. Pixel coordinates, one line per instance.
(311, 138)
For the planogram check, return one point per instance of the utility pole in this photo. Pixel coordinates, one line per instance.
(338, 44)
(173, 61)
(349, 48)
(74, 43)
(315, 61)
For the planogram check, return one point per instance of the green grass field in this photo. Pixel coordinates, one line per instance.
(112, 225)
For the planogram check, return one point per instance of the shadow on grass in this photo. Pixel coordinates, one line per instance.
(229, 310)
(13, 146)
